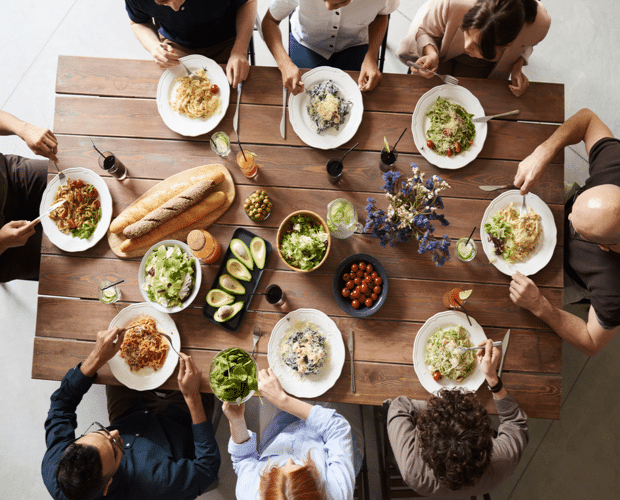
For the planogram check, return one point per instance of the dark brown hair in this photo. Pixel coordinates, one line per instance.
(499, 22)
(456, 438)
(79, 472)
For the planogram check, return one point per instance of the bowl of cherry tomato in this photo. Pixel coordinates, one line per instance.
(360, 285)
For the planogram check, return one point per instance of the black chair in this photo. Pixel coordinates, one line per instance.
(362, 491)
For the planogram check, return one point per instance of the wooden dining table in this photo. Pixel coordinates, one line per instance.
(113, 101)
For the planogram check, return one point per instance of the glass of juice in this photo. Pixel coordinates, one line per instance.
(220, 144)
(466, 250)
(451, 298)
(342, 219)
(274, 295)
(110, 294)
(387, 159)
(112, 165)
(247, 163)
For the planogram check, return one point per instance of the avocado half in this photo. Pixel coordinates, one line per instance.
(236, 269)
(227, 312)
(258, 249)
(231, 285)
(242, 252)
(218, 298)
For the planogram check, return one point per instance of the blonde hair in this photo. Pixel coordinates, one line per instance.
(300, 484)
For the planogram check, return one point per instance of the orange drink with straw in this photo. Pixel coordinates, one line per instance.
(247, 163)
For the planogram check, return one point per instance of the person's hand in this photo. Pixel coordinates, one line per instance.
(165, 56)
(107, 345)
(189, 377)
(524, 292)
(489, 359)
(233, 412)
(270, 387)
(40, 140)
(291, 78)
(518, 83)
(429, 62)
(531, 169)
(237, 69)
(370, 76)
(15, 234)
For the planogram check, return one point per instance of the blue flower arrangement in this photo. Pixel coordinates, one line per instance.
(411, 212)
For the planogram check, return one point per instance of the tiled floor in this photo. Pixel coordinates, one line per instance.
(576, 457)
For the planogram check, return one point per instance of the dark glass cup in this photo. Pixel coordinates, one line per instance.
(334, 170)
(113, 165)
(387, 160)
(274, 295)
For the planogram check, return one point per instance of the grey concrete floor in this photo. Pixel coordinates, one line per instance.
(573, 458)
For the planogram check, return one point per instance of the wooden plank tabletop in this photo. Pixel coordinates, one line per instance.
(113, 102)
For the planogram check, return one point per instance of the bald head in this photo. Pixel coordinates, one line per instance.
(596, 214)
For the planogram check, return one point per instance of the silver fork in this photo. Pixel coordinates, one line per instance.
(61, 176)
(191, 74)
(523, 206)
(256, 336)
(170, 341)
(462, 349)
(446, 78)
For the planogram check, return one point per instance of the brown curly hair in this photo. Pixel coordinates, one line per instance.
(456, 437)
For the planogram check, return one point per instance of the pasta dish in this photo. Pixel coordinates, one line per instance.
(81, 213)
(143, 346)
(196, 98)
(305, 349)
(327, 109)
(514, 236)
(451, 130)
(442, 357)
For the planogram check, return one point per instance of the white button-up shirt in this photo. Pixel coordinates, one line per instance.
(328, 31)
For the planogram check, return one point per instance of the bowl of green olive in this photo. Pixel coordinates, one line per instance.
(258, 206)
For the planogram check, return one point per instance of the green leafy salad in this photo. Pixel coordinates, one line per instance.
(233, 375)
(451, 130)
(304, 245)
(169, 275)
(441, 355)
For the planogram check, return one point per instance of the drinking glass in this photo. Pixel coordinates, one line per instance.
(109, 295)
(342, 219)
(220, 144)
(387, 159)
(466, 251)
(113, 165)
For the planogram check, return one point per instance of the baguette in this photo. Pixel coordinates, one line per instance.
(168, 210)
(184, 219)
(160, 196)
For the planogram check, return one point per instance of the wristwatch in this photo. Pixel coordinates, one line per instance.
(497, 387)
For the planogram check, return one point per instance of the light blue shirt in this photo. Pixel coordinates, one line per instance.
(326, 435)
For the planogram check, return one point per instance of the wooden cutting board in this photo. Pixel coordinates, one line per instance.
(227, 187)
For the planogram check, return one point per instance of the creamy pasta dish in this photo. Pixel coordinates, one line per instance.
(196, 98)
(514, 236)
(442, 355)
(81, 213)
(143, 346)
(304, 349)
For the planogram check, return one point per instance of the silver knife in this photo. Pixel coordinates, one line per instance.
(495, 188)
(283, 122)
(236, 117)
(482, 119)
(351, 342)
(504, 349)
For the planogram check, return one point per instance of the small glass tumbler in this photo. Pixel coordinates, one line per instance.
(466, 250)
(113, 165)
(109, 295)
(274, 295)
(220, 144)
(387, 160)
(334, 169)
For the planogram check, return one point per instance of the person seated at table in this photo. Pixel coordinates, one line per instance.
(218, 29)
(591, 235)
(476, 38)
(448, 444)
(328, 33)
(22, 183)
(157, 447)
(305, 449)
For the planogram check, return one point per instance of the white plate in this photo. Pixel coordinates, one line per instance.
(67, 242)
(544, 251)
(439, 321)
(147, 378)
(310, 386)
(420, 123)
(303, 125)
(165, 92)
(197, 275)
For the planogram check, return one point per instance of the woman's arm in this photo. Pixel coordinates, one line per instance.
(269, 386)
(370, 75)
(238, 67)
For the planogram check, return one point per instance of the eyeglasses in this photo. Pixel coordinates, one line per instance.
(100, 428)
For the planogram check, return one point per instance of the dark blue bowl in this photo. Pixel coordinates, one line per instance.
(339, 284)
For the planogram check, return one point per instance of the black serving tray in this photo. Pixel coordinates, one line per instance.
(250, 286)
